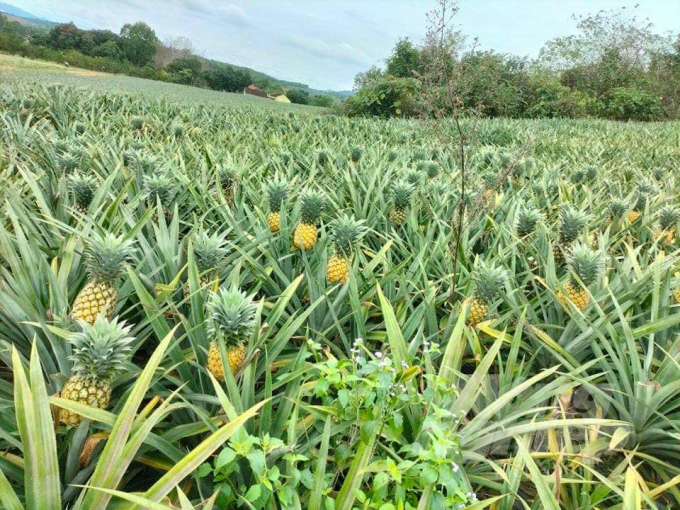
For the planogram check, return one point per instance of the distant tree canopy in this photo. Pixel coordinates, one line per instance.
(615, 67)
(138, 42)
(298, 96)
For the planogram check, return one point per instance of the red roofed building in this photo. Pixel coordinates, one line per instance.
(254, 90)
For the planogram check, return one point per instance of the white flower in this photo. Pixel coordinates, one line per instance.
(359, 341)
(455, 467)
(404, 364)
(378, 354)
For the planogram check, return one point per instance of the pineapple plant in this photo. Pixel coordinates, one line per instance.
(346, 232)
(488, 280)
(312, 204)
(617, 209)
(105, 257)
(668, 221)
(586, 267)
(160, 187)
(231, 318)
(100, 351)
(209, 254)
(572, 222)
(276, 194)
(228, 177)
(641, 196)
(83, 188)
(527, 218)
(402, 192)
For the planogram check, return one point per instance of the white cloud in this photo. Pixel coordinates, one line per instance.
(343, 51)
(229, 13)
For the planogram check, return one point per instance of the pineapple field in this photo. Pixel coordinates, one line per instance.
(224, 306)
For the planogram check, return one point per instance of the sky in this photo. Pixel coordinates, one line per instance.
(325, 43)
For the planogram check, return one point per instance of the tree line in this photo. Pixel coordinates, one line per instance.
(137, 51)
(615, 67)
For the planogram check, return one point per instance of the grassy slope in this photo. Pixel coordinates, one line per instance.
(18, 68)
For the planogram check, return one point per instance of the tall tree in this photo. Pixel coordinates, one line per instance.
(138, 42)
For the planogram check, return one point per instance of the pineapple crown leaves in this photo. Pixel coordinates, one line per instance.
(402, 191)
(145, 162)
(228, 175)
(100, 350)
(277, 190)
(642, 193)
(160, 186)
(209, 251)
(414, 177)
(489, 279)
(668, 217)
(618, 207)
(106, 255)
(231, 315)
(346, 232)
(572, 221)
(83, 188)
(585, 263)
(527, 217)
(312, 204)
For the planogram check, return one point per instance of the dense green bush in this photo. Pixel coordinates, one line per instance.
(386, 97)
(550, 99)
(633, 104)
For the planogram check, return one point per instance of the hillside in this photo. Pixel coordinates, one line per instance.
(18, 69)
(25, 18)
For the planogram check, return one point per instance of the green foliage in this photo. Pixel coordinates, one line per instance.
(138, 42)
(633, 104)
(384, 97)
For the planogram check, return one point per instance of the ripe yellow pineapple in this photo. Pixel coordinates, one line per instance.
(488, 279)
(231, 319)
(104, 258)
(306, 234)
(345, 234)
(586, 264)
(100, 351)
(402, 191)
(274, 221)
(276, 194)
(572, 222)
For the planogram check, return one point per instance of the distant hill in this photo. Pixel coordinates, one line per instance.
(26, 18)
(23, 17)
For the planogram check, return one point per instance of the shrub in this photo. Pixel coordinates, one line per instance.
(625, 103)
(385, 97)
